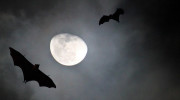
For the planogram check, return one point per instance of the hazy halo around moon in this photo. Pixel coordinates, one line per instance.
(68, 49)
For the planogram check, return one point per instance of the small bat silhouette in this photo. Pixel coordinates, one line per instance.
(31, 72)
(114, 16)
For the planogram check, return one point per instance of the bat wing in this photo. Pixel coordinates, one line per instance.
(116, 15)
(23, 63)
(30, 72)
(43, 79)
(19, 59)
(104, 19)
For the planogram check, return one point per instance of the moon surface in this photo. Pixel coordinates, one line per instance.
(68, 49)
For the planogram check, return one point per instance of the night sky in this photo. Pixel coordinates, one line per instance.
(136, 59)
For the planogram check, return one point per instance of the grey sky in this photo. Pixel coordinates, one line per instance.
(136, 59)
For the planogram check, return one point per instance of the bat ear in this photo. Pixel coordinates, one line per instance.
(10, 48)
(36, 66)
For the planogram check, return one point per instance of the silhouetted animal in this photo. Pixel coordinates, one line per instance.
(114, 16)
(31, 72)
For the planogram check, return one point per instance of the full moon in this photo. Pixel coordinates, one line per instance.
(68, 49)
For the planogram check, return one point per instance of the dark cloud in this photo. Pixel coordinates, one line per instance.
(137, 58)
(26, 8)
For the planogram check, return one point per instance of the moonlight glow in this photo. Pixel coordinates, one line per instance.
(68, 49)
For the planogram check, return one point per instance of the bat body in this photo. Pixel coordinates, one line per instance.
(31, 72)
(114, 16)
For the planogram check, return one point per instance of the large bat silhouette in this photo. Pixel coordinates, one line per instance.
(114, 16)
(31, 72)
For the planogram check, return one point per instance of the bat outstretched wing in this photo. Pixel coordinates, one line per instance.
(23, 63)
(116, 15)
(42, 79)
(104, 19)
(19, 59)
(30, 71)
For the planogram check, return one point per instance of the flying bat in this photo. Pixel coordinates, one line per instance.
(114, 16)
(31, 72)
